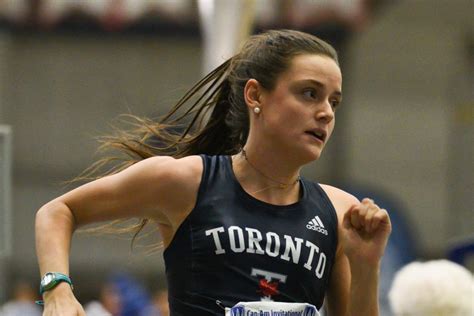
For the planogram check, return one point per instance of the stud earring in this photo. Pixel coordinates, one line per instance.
(256, 110)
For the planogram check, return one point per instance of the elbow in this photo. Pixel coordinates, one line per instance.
(54, 213)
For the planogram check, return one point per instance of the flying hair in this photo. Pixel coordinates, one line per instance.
(212, 117)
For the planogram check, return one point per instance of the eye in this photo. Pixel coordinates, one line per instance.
(335, 103)
(309, 93)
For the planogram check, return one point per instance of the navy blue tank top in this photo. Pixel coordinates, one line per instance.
(233, 247)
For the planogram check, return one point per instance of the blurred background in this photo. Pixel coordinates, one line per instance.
(404, 134)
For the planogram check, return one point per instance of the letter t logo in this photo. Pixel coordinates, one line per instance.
(267, 287)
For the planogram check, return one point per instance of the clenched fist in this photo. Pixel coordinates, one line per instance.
(366, 228)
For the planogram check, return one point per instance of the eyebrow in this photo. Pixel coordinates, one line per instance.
(319, 84)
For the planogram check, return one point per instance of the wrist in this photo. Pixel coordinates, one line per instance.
(54, 283)
(51, 280)
(358, 263)
(61, 289)
(364, 273)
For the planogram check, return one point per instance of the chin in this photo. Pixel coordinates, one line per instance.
(308, 156)
(315, 156)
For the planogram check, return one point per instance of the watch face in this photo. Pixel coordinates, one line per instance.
(48, 278)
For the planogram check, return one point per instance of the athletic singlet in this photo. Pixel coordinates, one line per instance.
(233, 247)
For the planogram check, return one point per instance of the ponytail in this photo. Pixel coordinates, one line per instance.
(215, 137)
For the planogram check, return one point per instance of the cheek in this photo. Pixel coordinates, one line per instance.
(292, 120)
(282, 113)
(285, 113)
(331, 127)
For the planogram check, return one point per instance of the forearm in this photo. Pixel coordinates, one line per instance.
(363, 295)
(53, 229)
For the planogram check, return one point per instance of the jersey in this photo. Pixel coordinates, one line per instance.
(233, 247)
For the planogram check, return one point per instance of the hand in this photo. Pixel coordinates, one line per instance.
(60, 301)
(365, 232)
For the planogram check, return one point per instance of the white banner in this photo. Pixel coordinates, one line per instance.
(272, 309)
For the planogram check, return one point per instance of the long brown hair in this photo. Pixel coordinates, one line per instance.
(188, 128)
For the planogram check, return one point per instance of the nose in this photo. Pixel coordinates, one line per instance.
(325, 112)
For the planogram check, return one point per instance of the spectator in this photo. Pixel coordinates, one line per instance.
(432, 288)
(22, 303)
(159, 304)
(109, 304)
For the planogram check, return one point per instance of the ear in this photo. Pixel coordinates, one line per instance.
(252, 93)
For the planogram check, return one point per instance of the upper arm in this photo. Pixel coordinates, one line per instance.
(337, 295)
(159, 187)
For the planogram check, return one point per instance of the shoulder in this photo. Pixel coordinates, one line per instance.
(171, 180)
(338, 194)
(177, 183)
(174, 182)
(341, 200)
(175, 176)
(169, 169)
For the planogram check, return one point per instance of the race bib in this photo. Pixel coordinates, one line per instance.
(271, 309)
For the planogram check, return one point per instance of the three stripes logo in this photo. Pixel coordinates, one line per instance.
(317, 225)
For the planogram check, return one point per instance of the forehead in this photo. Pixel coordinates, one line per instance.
(316, 67)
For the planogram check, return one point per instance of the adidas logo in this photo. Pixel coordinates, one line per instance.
(317, 225)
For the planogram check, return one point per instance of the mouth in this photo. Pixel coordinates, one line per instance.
(318, 134)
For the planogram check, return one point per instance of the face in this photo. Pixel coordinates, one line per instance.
(298, 115)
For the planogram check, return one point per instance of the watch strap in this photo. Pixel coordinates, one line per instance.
(51, 279)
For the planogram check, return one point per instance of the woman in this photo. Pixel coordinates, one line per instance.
(237, 221)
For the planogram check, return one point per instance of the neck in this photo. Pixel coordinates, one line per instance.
(280, 184)
(266, 178)
(274, 161)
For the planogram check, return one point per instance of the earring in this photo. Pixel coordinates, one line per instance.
(256, 110)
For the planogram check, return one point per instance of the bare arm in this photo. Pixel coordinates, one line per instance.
(363, 233)
(161, 188)
(353, 288)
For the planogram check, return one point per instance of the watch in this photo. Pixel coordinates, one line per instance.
(51, 279)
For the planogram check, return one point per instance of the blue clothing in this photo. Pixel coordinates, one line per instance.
(233, 247)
